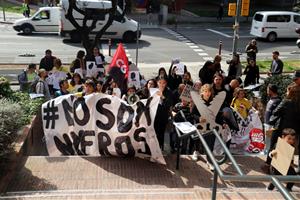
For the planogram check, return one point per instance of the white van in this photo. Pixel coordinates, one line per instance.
(52, 19)
(44, 20)
(121, 28)
(275, 24)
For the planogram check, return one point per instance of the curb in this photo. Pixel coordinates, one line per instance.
(5, 22)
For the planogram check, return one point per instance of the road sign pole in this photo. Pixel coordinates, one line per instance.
(236, 27)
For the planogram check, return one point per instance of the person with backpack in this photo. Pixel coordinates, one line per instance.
(42, 86)
(27, 77)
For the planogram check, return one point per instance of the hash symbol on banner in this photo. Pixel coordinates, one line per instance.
(50, 114)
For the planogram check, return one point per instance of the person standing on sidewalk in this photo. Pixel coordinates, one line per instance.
(220, 12)
(251, 50)
(276, 66)
(26, 9)
(149, 12)
(27, 77)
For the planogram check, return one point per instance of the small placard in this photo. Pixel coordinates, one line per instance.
(284, 156)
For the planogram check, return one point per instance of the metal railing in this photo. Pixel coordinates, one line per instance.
(241, 177)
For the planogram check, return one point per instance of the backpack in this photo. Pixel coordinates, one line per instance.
(32, 88)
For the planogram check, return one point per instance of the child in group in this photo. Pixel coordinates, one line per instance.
(240, 103)
(289, 136)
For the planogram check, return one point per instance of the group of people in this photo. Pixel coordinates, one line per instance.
(281, 114)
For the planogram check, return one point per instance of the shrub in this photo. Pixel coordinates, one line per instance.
(29, 106)
(5, 90)
(282, 81)
(10, 121)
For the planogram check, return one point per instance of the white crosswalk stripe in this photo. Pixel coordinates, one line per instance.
(190, 44)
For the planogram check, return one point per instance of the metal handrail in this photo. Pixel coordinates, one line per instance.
(276, 180)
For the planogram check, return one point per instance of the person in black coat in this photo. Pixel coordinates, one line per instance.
(163, 110)
(207, 72)
(286, 115)
(47, 62)
(252, 74)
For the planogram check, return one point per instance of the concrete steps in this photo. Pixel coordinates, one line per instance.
(120, 178)
(168, 193)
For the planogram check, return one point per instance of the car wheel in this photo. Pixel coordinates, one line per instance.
(129, 36)
(75, 37)
(27, 30)
(272, 37)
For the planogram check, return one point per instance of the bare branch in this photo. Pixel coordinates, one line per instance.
(110, 20)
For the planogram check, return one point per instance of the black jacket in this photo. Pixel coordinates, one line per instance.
(286, 115)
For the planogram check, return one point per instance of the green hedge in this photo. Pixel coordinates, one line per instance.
(10, 121)
(281, 81)
(16, 110)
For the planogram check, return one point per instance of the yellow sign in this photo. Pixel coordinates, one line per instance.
(245, 7)
(232, 9)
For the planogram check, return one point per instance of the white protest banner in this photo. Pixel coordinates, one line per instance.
(134, 79)
(186, 93)
(100, 124)
(241, 137)
(284, 156)
(179, 69)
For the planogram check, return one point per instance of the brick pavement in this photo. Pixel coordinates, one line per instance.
(116, 178)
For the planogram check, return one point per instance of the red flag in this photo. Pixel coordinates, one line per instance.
(120, 60)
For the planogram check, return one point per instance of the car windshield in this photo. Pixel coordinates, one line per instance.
(258, 17)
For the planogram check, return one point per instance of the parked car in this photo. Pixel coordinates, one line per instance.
(275, 24)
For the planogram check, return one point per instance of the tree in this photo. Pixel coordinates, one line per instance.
(86, 28)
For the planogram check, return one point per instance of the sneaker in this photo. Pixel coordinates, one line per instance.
(265, 168)
(210, 166)
(195, 156)
(269, 189)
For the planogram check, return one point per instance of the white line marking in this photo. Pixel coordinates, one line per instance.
(207, 58)
(220, 33)
(194, 47)
(202, 54)
(198, 50)
(190, 43)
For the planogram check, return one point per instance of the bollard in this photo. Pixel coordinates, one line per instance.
(220, 46)
(109, 47)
